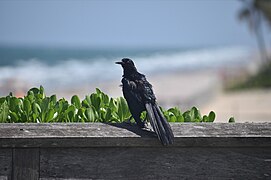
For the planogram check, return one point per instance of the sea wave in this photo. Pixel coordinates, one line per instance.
(74, 72)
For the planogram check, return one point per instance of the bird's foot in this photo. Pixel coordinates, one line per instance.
(129, 121)
(142, 125)
(145, 124)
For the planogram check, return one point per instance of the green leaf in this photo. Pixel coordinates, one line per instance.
(34, 90)
(95, 101)
(205, 119)
(2, 100)
(192, 114)
(88, 100)
(211, 116)
(76, 101)
(143, 115)
(105, 99)
(123, 110)
(113, 104)
(36, 108)
(61, 106)
(108, 115)
(176, 111)
(49, 115)
(42, 93)
(45, 104)
(172, 118)
(90, 114)
(187, 117)
(102, 113)
(85, 103)
(232, 120)
(27, 106)
(180, 118)
(196, 114)
(70, 112)
(81, 113)
(44, 108)
(30, 96)
(13, 103)
(19, 107)
(98, 91)
(120, 111)
(4, 111)
(53, 100)
(13, 117)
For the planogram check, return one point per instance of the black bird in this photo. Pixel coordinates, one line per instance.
(140, 97)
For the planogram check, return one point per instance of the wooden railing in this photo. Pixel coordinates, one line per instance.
(123, 151)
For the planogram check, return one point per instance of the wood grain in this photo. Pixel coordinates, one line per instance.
(120, 135)
(156, 163)
(25, 163)
(5, 163)
(123, 151)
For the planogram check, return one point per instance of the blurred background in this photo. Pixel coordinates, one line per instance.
(214, 55)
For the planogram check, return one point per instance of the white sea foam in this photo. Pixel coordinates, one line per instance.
(196, 59)
(74, 72)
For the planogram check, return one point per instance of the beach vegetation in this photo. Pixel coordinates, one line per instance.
(36, 107)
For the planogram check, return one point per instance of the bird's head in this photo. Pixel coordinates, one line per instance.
(126, 63)
(128, 67)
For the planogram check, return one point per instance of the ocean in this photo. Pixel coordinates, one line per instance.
(23, 68)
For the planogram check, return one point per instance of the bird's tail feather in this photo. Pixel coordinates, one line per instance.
(159, 124)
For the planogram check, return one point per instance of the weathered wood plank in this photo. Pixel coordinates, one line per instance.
(28, 130)
(4, 178)
(136, 142)
(26, 163)
(5, 163)
(104, 135)
(122, 151)
(156, 163)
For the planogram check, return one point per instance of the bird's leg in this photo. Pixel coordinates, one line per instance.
(145, 120)
(146, 124)
(129, 120)
(140, 123)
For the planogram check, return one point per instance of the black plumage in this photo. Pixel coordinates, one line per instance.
(140, 97)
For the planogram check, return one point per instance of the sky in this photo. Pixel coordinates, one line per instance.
(189, 23)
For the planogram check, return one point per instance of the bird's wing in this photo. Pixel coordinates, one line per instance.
(146, 91)
(139, 89)
(131, 90)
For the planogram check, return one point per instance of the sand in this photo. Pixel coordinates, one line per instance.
(244, 106)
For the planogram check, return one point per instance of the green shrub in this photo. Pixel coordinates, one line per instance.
(36, 107)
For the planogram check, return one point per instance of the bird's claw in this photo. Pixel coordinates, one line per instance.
(143, 124)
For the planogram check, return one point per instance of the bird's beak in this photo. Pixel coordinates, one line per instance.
(118, 63)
